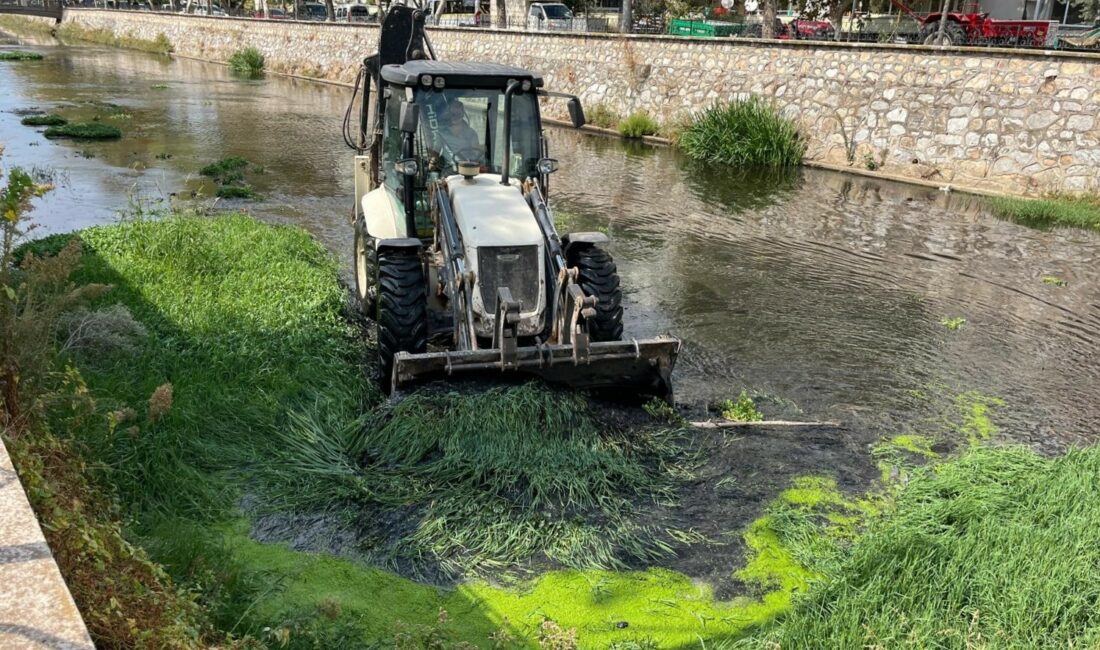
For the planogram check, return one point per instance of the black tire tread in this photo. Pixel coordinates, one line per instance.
(401, 317)
(599, 277)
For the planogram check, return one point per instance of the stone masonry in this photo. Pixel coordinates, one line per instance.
(1015, 121)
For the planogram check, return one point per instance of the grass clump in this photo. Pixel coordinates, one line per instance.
(953, 324)
(748, 133)
(44, 120)
(20, 55)
(602, 116)
(248, 62)
(229, 174)
(1077, 211)
(637, 125)
(85, 131)
(743, 410)
(226, 170)
(243, 191)
(983, 551)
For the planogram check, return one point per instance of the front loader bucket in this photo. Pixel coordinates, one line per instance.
(635, 367)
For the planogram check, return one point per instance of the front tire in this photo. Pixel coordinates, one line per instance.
(402, 306)
(599, 277)
(366, 266)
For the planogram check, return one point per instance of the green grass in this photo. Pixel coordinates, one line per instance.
(498, 478)
(44, 120)
(85, 131)
(20, 55)
(248, 62)
(637, 125)
(991, 550)
(743, 410)
(245, 322)
(953, 324)
(1077, 211)
(745, 133)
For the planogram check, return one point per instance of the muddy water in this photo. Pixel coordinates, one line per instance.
(822, 294)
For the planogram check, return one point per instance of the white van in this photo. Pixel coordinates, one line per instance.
(357, 13)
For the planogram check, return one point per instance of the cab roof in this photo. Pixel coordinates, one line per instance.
(463, 75)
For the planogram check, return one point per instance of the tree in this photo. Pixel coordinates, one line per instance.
(767, 30)
(1089, 9)
(330, 10)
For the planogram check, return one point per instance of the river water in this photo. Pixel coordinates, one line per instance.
(820, 293)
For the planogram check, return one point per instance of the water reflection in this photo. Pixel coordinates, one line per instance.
(822, 291)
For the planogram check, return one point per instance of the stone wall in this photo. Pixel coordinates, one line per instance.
(1011, 121)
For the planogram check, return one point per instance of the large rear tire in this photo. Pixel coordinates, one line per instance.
(401, 317)
(952, 34)
(599, 277)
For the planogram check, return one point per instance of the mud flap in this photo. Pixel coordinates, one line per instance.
(636, 367)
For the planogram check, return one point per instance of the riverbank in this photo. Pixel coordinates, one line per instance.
(239, 411)
(227, 389)
(1011, 121)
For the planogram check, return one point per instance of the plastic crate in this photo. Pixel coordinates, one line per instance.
(704, 28)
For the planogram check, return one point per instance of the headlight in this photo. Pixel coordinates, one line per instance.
(426, 80)
(548, 165)
(439, 83)
(526, 85)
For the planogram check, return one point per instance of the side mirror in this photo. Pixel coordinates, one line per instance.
(576, 112)
(410, 116)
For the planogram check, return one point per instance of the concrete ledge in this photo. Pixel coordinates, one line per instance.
(36, 609)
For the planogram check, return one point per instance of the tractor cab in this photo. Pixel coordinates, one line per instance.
(438, 117)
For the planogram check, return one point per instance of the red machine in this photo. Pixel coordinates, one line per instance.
(977, 28)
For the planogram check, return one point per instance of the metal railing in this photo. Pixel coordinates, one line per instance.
(1084, 38)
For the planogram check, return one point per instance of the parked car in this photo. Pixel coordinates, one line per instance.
(811, 29)
(357, 13)
(555, 16)
(549, 15)
(312, 11)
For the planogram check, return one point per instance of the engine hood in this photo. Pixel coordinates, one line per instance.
(504, 247)
(491, 214)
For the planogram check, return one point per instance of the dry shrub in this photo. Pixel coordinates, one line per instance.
(33, 295)
(101, 333)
